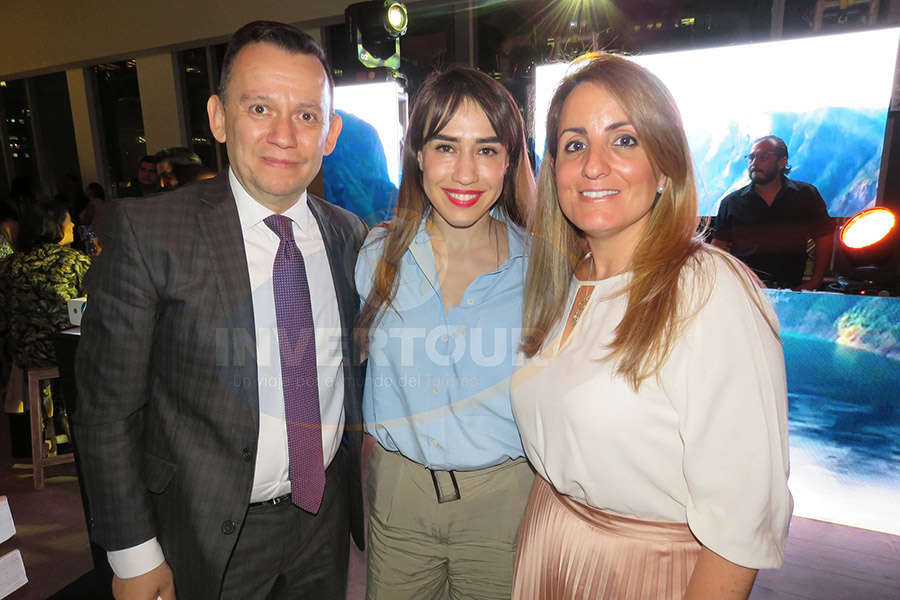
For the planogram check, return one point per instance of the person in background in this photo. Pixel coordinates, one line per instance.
(147, 177)
(170, 159)
(219, 426)
(71, 194)
(442, 284)
(90, 216)
(96, 199)
(189, 173)
(769, 222)
(147, 180)
(35, 283)
(9, 228)
(37, 280)
(654, 370)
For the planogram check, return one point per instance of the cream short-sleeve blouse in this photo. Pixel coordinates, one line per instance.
(704, 444)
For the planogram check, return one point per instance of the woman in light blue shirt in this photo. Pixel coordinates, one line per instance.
(441, 321)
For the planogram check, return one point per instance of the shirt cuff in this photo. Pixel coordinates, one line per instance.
(137, 560)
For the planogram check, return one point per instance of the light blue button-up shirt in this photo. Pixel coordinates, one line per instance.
(437, 384)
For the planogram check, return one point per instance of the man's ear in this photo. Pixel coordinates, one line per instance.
(334, 131)
(216, 111)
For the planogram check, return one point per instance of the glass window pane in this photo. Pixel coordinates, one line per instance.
(121, 120)
(55, 131)
(16, 122)
(196, 94)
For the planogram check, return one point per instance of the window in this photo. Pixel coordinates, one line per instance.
(18, 139)
(121, 120)
(200, 72)
(55, 132)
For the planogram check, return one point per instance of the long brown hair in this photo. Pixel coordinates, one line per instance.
(436, 103)
(644, 337)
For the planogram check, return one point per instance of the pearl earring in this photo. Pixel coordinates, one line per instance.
(660, 188)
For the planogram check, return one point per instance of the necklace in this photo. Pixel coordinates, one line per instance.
(583, 292)
(580, 304)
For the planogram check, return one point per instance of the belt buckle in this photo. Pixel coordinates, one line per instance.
(279, 500)
(444, 496)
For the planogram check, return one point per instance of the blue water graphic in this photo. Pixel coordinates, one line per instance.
(846, 400)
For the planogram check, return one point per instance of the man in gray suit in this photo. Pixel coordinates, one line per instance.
(181, 426)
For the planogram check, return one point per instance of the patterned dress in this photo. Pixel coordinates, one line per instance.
(35, 286)
(5, 247)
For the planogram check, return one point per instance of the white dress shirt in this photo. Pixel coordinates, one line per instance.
(270, 478)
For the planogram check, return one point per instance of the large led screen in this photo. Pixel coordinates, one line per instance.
(363, 172)
(842, 355)
(828, 97)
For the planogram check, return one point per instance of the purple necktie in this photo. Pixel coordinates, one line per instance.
(297, 343)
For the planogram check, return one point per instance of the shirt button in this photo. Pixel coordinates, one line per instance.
(228, 527)
(436, 389)
(470, 302)
(444, 338)
(434, 443)
(246, 454)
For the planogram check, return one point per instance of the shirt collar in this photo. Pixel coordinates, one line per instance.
(785, 183)
(251, 213)
(515, 235)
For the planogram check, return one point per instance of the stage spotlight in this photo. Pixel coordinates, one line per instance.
(869, 253)
(374, 28)
(868, 237)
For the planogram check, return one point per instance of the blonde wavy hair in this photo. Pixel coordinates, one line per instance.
(655, 312)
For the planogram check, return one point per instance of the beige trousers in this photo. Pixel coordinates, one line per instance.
(422, 549)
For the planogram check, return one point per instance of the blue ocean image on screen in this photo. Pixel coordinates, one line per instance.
(842, 355)
(838, 150)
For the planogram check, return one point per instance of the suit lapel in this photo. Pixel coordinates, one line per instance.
(340, 246)
(335, 248)
(220, 229)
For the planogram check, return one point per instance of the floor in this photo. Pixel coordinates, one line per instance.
(822, 561)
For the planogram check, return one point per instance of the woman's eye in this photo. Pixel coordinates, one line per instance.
(488, 151)
(626, 141)
(574, 146)
(443, 148)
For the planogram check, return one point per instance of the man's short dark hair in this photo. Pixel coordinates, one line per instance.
(287, 37)
(147, 158)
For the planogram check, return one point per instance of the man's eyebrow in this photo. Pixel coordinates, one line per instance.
(245, 97)
(265, 97)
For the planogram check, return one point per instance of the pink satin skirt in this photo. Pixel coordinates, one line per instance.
(567, 549)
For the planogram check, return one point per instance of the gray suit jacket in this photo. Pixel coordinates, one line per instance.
(167, 420)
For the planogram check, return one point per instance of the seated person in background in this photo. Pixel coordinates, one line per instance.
(9, 228)
(170, 159)
(768, 223)
(36, 281)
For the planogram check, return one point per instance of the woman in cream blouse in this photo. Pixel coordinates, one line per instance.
(654, 403)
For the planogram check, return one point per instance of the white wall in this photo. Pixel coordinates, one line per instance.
(43, 36)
